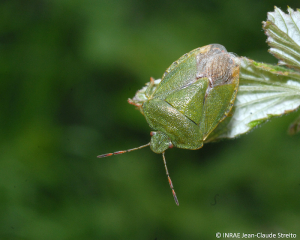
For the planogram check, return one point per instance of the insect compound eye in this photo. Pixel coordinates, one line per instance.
(171, 145)
(152, 133)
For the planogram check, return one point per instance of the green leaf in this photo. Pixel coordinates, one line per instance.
(283, 31)
(265, 91)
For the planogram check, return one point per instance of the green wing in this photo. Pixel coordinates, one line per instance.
(179, 75)
(183, 72)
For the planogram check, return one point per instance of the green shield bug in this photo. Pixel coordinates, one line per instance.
(195, 94)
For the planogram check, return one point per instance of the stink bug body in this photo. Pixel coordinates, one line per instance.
(194, 95)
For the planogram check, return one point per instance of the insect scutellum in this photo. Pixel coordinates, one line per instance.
(154, 135)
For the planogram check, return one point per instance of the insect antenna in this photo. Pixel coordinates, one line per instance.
(121, 152)
(170, 181)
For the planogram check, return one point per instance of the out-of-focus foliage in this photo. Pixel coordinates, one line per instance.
(67, 69)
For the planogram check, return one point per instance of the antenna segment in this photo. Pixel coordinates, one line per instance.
(121, 152)
(165, 163)
(170, 181)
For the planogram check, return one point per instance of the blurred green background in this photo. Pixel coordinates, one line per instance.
(67, 69)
